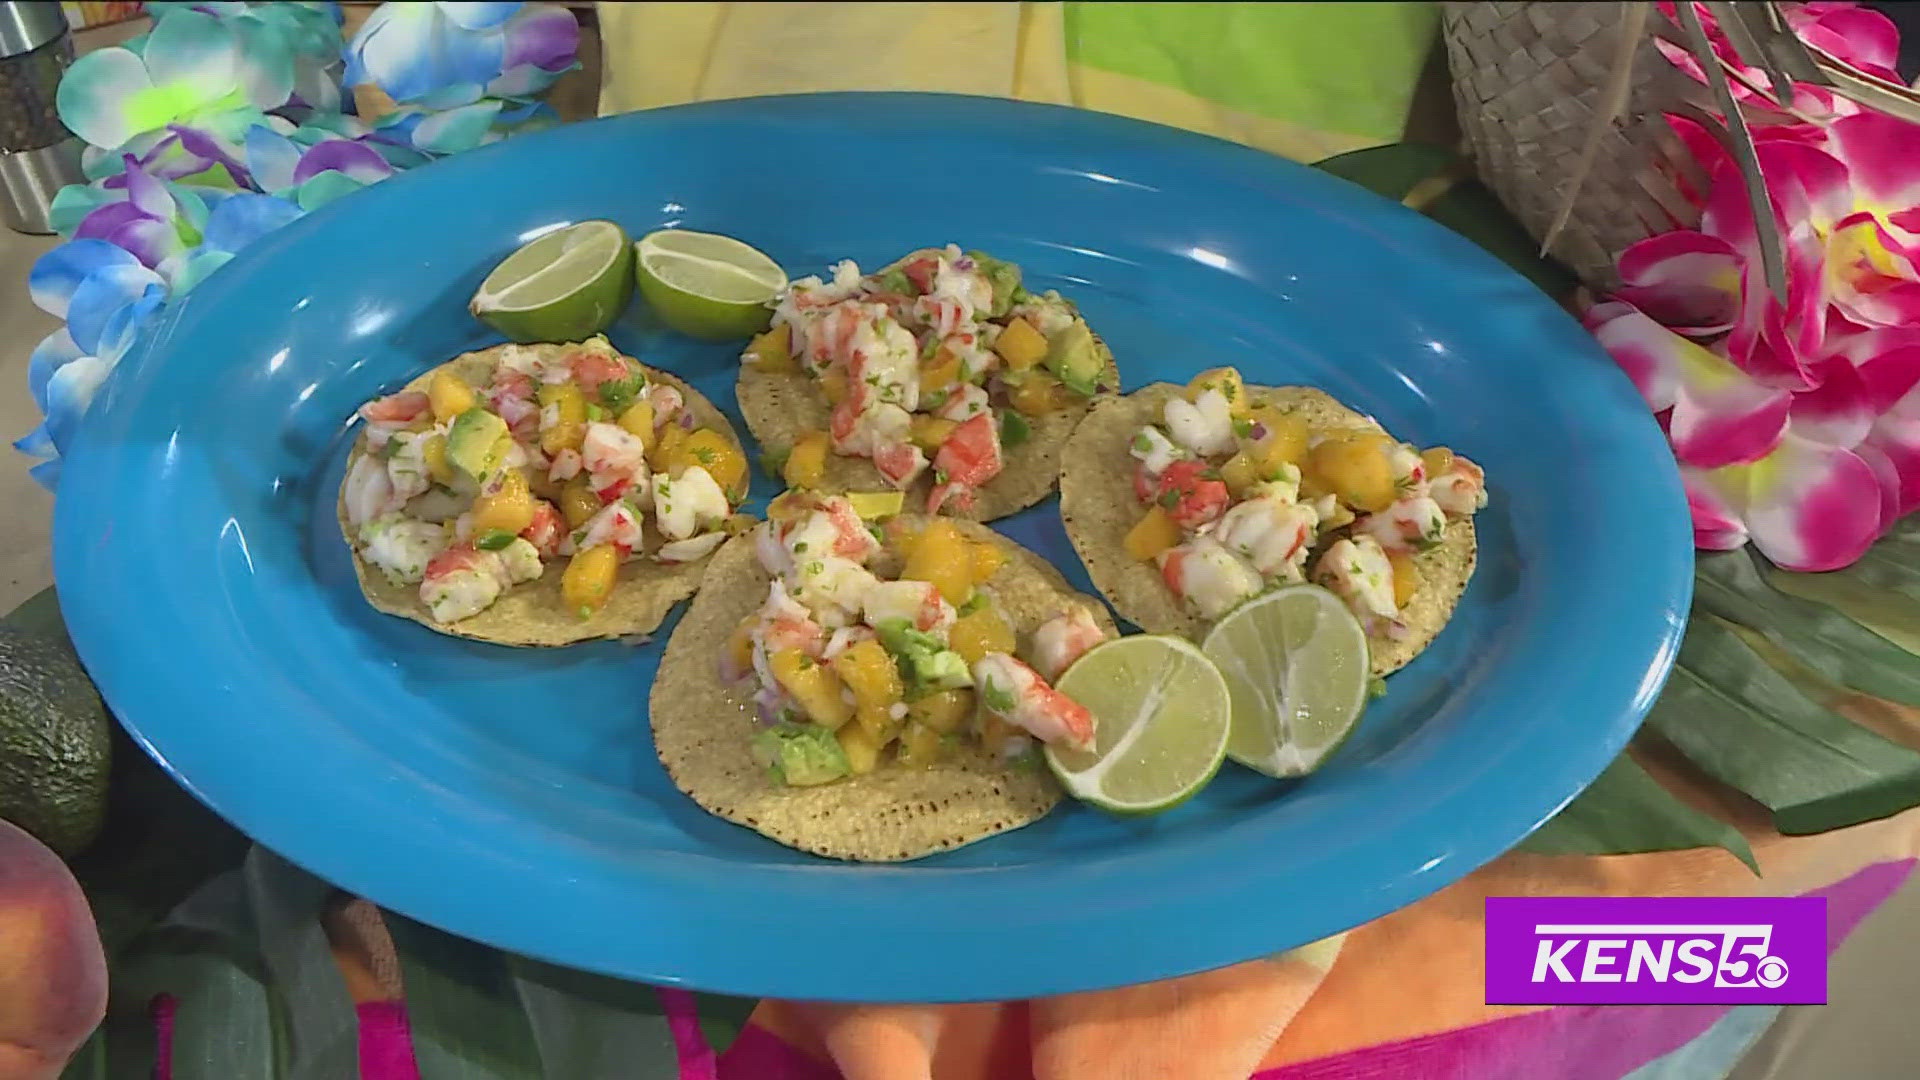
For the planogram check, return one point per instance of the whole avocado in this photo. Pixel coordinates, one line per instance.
(55, 737)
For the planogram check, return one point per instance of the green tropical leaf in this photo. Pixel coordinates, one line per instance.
(1745, 723)
(1881, 591)
(1441, 185)
(1735, 585)
(589, 1025)
(1625, 811)
(463, 1007)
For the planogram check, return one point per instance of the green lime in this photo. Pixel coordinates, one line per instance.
(708, 286)
(566, 285)
(1161, 716)
(1296, 662)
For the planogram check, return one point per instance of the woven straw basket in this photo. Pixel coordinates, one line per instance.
(1528, 80)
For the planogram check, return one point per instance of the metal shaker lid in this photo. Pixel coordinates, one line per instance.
(25, 25)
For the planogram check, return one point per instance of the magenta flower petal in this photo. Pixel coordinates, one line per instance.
(1687, 281)
(1644, 349)
(1888, 475)
(1872, 275)
(1839, 411)
(1855, 35)
(1878, 153)
(356, 160)
(1716, 518)
(1892, 448)
(1887, 359)
(1722, 417)
(1812, 507)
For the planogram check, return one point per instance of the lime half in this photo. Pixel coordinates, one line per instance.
(708, 286)
(567, 285)
(1296, 663)
(1160, 713)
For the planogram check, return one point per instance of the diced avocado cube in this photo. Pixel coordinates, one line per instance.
(1073, 359)
(477, 443)
(800, 755)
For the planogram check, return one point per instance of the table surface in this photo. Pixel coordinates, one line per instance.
(1864, 1033)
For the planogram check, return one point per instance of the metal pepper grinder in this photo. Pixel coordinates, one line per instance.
(38, 155)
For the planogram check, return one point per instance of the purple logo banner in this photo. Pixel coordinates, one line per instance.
(1657, 950)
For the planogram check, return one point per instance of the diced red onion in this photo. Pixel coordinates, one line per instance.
(1259, 431)
(686, 420)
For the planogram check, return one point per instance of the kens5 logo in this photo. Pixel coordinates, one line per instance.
(1656, 951)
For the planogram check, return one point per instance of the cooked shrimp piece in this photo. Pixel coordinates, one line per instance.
(1412, 523)
(1061, 640)
(1019, 695)
(689, 503)
(1461, 490)
(1207, 576)
(369, 491)
(401, 546)
(1357, 570)
(1203, 426)
(1272, 534)
(460, 582)
(916, 602)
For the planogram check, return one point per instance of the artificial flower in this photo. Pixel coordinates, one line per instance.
(312, 175)
(1855, 35)
(191, 67)
(106, 296)
(445, 55)
(1795, 423)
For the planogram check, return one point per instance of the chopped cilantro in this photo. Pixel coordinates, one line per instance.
(493, 540)
(1243, 428)
(931, 347)
(704, 455)
(1168, 499)
(975, 601)
(617, 394)
(800, 548)
(1142, 444)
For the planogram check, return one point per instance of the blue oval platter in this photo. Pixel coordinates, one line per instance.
(513, 796)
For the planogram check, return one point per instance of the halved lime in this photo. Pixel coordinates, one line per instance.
(706, 285)
(1160, 713)
(1296, 663)
(567, 285)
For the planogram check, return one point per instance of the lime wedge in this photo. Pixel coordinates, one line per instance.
(708, 286)
(1295, 660)
(1160, 713)
(567, 285)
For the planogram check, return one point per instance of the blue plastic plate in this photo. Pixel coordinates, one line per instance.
(513, 796)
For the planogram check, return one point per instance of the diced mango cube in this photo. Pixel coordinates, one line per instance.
(942, 559)
(1227, 381)
(981, 632)
(449, 394)
(806, 465)
(1020, 345)
(944, 711)
(861, 748)
(812, 685)
(1151, 535)
(773, 350)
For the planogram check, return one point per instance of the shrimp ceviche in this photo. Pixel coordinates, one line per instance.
(934, 370)
(489, 472)
(1237, 489)
(877, 645)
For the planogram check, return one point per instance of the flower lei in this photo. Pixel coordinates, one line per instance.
(1796, 424)
(228, 120)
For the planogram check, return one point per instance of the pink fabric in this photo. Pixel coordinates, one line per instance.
(162, 1009)
(386, 1042)
(697, 1060)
